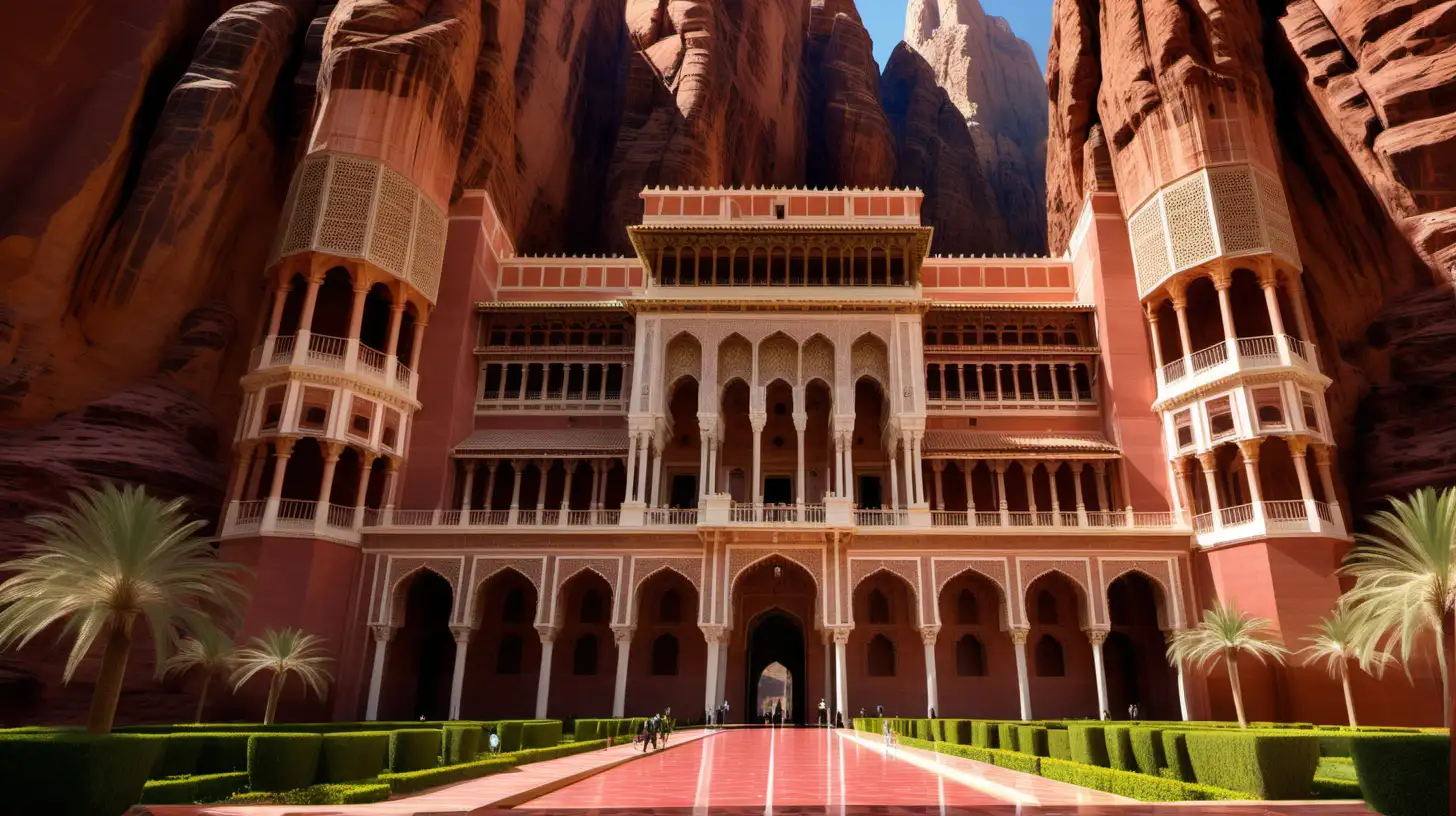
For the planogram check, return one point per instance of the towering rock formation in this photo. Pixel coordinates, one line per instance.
(992, 78)
(1358, 125)
(938, 155)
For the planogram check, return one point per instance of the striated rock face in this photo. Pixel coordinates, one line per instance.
(1344, 100)
(849, 141)
(992, 78)
(1382, 74)
(938, 155)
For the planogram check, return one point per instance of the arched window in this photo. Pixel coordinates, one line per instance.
(970, 657)
(1049, 660)
(879, 608)
(966, 609)
(669, 609)
(591, 607)
(1046, 609)
(584, 655)
(881, 657)
(664, 656)
(509, 654)
(514, 608)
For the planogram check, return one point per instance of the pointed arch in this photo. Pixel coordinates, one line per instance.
(869, 356)
(735, 360)
(778, 358)
(399, 588)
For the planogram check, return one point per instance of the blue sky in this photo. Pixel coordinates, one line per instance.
(1030, 19)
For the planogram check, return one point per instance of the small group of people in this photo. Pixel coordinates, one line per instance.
(655, 729)
(716, 718)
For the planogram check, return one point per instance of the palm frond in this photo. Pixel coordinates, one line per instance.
(1342, 637)
(1225, 630)
(1405, 571)
(285, 652)
(114, 555)
(208, 649)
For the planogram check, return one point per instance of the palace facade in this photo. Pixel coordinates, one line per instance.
(785, 432)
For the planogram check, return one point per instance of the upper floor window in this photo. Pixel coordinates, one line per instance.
(1311, 412)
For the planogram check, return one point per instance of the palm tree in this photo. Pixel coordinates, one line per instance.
(1224, 633)
(115, 555)
(1405, 576)
(1340, 638)
(210, 651)
(283, 652)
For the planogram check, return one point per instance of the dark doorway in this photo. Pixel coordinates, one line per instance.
(684, 491)
(778, 490)
(775, 638)
(870, 497)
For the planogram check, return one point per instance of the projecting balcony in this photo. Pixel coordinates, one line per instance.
(321, 351)
(719, 513)
(1232, 357)
(1268, 519)
(290, 518)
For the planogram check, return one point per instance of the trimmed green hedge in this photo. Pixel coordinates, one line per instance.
(413, 750)
(539, 734)
(1404, 774)
(1147, 749)
(180, 753)
(1006, 736)
(462, 743)
(411, 781)
(1059, 744)
(1120, 755)
(352, 756)
(1137, 786)
(1265, 764)
(1122, 783)
(221, 753)
(1175, 754)
(283, 762)
(1032, 739)
(187, 790)
(76, 774)
(1089, 745)
(1324, 787)
(357, 794)
(984, 734)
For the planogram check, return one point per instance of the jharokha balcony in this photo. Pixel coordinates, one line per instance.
(335, 354)
(1231, 357)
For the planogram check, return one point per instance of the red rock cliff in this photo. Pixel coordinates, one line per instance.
(1355, 113)
(992, 78)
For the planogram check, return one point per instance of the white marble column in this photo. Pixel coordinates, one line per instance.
(643, 450)
(543, 681)
(937, 466)
(462, 636)
(1023, 682)
(383, 633)
(850, 486)
(1077, 493)
(713, 635)
(656, 499)
(801, 425)
(928, 635)
(999, 466)
(466, 489)
(894, 484)
(568, 466)
(623, 637)
(518, 468)
(632, 440)
(919, 475)
(1209, 462)
(841, 679)
(1097, 637)
(909, 458)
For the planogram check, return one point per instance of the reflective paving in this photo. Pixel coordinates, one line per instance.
(772, 770)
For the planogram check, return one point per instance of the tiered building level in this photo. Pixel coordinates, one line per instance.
(783, 432)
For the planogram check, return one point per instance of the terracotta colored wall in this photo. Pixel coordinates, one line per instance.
(1293, 583)
(448, 368)
(1128, 385)
(994, 695)
(904, 694)
(1075, 693)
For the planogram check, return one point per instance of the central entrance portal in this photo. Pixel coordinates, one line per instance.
(775, 666)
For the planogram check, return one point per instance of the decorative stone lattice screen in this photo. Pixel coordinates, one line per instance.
(355, 207)
(1216, 212)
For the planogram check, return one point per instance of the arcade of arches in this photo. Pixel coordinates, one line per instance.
(507, 662)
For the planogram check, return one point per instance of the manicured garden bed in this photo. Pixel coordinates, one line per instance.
(1399, 772)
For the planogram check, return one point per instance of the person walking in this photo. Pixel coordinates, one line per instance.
(666, 728)
(723, 714)
(823, 713)
(885, 729)
(778, 714)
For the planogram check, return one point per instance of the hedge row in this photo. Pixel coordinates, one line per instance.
(76, 774)
(189, 789)
(1123, 783)
(358, 793)
(1405, 774)
(411, 781)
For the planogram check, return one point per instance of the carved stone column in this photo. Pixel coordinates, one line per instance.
(622, 636)
(928, 634)
(1019, 636)
(383, 634)
(1097, 637)
(543, 681)
(462, 635)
